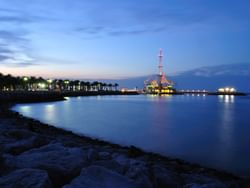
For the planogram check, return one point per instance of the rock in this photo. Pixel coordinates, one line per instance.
(121, 159)
(19, 134)
(26, 178)
(143, 181)
(139, 173)
(105, 148)
(165, 178)
(61, 163)
(104, 155)
(134, 152)
(16, 141)
(200, 179)
(9, 136)
(2, 163)
(100, 177)
(210, 185)
(25, 144)
(136, 170)
(92, 154)
(111, 165)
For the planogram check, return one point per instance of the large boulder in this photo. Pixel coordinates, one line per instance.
(201, 180)
(111, 165)
(100, 177)
(92, 154)
(165, 178)
(24, 144)
(18, 134)
(16, 141)
(139, 172)
(104, 155)
(209, 185)
(136, 168)
(61, 163)
(121, 159)
(26, 178)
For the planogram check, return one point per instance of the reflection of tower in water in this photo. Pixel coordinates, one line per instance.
(160, 84)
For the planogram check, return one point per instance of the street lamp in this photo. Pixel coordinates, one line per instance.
(25, 79)
(26, 85)
(49, 81)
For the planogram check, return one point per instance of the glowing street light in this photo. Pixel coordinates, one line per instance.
(49, 81)
(42, 85)
(221, 90)
(232, 90)
(25, 79)
(227, 90)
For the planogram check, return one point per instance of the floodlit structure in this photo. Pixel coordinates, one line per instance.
(227, 90)
(159, 84)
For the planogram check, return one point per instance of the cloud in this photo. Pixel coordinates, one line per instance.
(91, 30)
(15, 35)
(14, 38)
(16, 59)
(21, 17)
(16, 19)
(20, 64)
(101, 30)
(127, 18)
(13, 52)
(3, 57)
(235, 69)
(136, 31)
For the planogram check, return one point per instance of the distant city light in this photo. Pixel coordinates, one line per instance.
(232, 90)
(226, 90)
(49, 81)
(25, 79)
(221, 90)
(42, 85)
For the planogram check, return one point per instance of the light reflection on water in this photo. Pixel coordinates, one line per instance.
(26, 110)
(210, 130)
(226, 98)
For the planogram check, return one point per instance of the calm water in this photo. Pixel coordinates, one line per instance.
(210, 130)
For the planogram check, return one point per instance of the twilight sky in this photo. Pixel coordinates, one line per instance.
(120, 38)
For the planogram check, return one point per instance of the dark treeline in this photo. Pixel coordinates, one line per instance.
(12, 83)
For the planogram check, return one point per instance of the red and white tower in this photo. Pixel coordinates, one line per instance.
(162, 77)
(160, 84)
(160, 62)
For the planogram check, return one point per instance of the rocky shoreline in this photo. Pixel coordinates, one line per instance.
(33, 154)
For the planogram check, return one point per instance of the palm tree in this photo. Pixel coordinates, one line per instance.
(77, 85)
(94, 85)
(88, 86)
(116, 85)
(104, 86)
(82, 85)
(110, 87)
(1, 81)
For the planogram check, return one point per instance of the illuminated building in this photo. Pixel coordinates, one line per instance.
(227, 90)
(160, 84)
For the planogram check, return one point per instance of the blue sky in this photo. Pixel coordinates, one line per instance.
(118, 39)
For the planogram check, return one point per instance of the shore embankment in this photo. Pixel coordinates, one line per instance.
(34, 154)
(96, 93)
(46, 96)
(29, 96)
